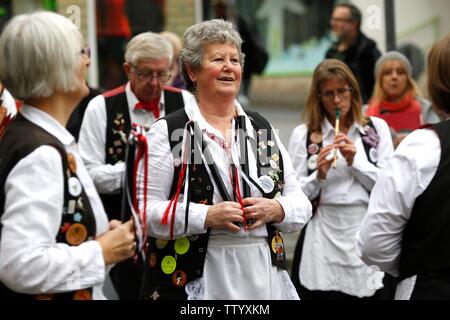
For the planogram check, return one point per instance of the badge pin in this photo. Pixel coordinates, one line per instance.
(312, 162)
(168, 264)
(161, 244)
(76, 234)
(77, 217)
(153, 260)
(182, 246)
(373, 154)
(71, 207)
(273, 164)
(270, 143)
(316, 138)
(74, 187)
(313, 149)
(275, 157)
(82, 295)
(179, 278)
(266, 183)
(72, 163)
(194, 237)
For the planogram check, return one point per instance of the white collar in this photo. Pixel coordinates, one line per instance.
(48, 123)
(133, 100)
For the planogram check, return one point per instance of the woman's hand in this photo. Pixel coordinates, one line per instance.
(346, 147)
(119, 243)
(263, 211)
(323, 163)
(224, 215)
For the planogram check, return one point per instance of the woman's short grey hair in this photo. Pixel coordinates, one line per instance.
(148, 45)
(39, 54)
(198, 36)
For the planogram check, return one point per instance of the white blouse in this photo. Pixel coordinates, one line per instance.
(109, 178)
(344, 185)
(31, 261)
(406, 177)
(296, 206)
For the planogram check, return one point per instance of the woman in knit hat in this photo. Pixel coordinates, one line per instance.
(396, 97)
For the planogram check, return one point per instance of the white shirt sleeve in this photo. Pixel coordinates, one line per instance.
(161, 171)
(92, 141)
(31, 261)
(299, 155)
(363, 170)
(297, 208)
(408, 174)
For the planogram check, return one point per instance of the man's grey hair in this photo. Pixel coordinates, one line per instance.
(39, 54)
(146, 46)
(200, 35)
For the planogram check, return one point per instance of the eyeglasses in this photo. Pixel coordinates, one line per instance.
(340, 93)
(86, 51)
(150, 75)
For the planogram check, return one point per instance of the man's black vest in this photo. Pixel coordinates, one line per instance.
(118, 127)
(78, 221)
(426, 238)
(160, 280)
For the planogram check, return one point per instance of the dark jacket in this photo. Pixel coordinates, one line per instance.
(361, 58)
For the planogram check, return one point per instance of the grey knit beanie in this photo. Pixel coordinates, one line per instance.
(393, 55)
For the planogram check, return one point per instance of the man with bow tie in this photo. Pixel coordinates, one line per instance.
(109, 118)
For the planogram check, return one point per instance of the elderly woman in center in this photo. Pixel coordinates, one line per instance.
(216, 209)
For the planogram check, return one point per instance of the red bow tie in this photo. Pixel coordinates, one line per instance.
(152, 106)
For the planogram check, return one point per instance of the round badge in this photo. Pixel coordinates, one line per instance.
(316, 138)
(74, 187)
(82, 295)
(277, 244)
(266, 184)
(273, 164)
(72, 163)
(161, 244)
(313, 149)
(179, 278)
(194, 237)
(176, 162)
(312, 162)
(373, 154)
(168, 264)
(153, 260)
(271, 143)
(76, 234)
(182, 246)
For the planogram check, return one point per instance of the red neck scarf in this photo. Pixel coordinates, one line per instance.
(152, 106)
(406, 104)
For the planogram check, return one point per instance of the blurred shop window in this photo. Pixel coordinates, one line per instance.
(296, 33)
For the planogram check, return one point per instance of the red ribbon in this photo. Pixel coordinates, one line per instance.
(142, 152)
(174, 200)
(152, 106)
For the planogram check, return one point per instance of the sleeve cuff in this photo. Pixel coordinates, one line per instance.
(197, 218)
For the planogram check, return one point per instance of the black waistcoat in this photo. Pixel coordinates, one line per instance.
(78, 221)
(118, 127)
(426, 238)
(158, 284)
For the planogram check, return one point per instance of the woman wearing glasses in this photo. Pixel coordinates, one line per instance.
(55, 238)
(337, 168)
